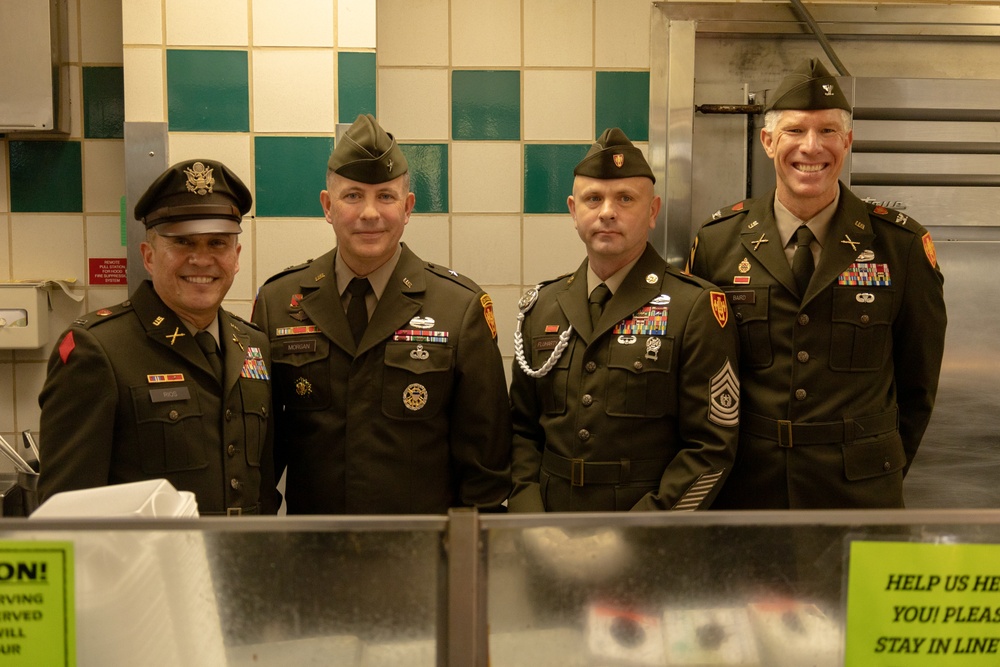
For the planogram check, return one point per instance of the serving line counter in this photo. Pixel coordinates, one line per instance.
(470, 590)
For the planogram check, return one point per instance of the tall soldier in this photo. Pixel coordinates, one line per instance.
(389, 385)
(624, 393)
(168, 384)
(841, 315)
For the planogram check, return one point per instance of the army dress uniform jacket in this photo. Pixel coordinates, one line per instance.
(130, 396)
(838, 387)
(640, 413)
(413, 420)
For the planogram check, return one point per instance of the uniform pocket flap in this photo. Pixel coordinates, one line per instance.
(419, 357)
(873, 459)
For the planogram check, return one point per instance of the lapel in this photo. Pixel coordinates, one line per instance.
(761, 240)
(574, 303)
(400, 301)
(165, 328)
(233, 340)
(635, 291)
(850, 234)
(321, 302)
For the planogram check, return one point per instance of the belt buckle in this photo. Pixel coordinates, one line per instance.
(576, 472)
(785, 426)
(234, 511)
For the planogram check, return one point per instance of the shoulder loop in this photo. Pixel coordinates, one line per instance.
(287, 270)
(454, 276)
(103, 315)
(728, 212)
(895, 217)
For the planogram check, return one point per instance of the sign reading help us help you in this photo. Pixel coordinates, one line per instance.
(914, 603)
(37, 612)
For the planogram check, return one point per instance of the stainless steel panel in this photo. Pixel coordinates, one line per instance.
(145, 159)
(930, 94)
(938, 205)
(986, 134)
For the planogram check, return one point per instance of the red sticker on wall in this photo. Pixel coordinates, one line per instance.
(107, 271)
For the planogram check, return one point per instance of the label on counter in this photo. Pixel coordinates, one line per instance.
(37, 609)
(916, 603)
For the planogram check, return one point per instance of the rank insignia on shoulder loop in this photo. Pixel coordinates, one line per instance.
(720, 309)
(491, 321)
(415, 396)
(422, 322)
(303, 387)
(453, 272)
(653, 348)
(253, 365)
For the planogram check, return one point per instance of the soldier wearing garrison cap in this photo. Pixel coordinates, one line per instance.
(841, 317)
(389, 385)
(168, 384)
(624, 393)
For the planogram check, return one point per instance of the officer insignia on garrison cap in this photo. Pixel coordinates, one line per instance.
(194, 197)
(367, 153)
(810, 87)
(613, 156)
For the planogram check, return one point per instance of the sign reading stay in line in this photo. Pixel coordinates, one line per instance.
(37, 611)
(916, 603)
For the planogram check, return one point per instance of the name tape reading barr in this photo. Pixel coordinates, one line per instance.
(915, 603)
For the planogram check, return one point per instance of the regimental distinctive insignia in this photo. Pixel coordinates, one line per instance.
(866, 256)
(527, 300)
(662, 300)
(103, 312)
(295, 331)
(652, 278)
(491, 321)
(415, 396)
(422, 322)
(254, 366)
(175, 335)
(296, 301)
(653, 345)
(158, 321)
(756, 244)
(649, 320)
(420, 336)
(719, 308)
(929, 249)
(419, 353)
(744, 266)
(847, 241)
(619, 159)
(868, 273)
(303, 387)
(165, 377)
(724, 397)
(199, 179)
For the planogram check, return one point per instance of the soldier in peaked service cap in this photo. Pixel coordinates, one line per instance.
(605, 415)
(841, 316)
(169, 384)
(389, 385)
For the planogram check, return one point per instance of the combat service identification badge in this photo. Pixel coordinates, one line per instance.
(415, 397)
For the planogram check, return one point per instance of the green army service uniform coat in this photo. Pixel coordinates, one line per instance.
(412, 420)
(639, 413)
(838, 386)
(130, 396)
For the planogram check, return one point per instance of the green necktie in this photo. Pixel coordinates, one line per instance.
(598, 298)
(211, 350)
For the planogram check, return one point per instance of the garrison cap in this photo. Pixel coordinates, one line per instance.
(367, 153)
(194, 197)
(809, 88)
(613, 156)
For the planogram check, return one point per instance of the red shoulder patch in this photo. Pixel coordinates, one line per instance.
(66, 347)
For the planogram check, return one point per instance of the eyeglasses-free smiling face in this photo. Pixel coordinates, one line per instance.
(192, 273)
(808, 149)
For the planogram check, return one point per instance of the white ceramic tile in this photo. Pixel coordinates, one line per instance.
(282, 243)
(101, 32)
(243, 286)
(35, 256)
(413, 104)
(200, 23)
(356, 24)
(552, 247)
(230, 148)
(103, 175)
(145, 96)
(104, 236)
(6, 402)
(630, 47)
(4, 248)
(304, 23)
(142, 22)
(505, 311)
(412, 32)
(485, 33)
(293, 90)
(559, 33)
(430, 237)
(559, 104)
(471, 192)
(487, 248)
(30, 378)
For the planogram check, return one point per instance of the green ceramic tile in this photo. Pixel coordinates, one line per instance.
(548, 175)
(103, 102)
(46, 177)
(289, 174)
(485, 105)
(208, 91)
(623, 101)
(355, 85)
(428, 165)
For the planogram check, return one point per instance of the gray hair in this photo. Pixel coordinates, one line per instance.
(771, 119)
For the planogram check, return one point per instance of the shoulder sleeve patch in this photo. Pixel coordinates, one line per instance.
(929, 249)
(491, 320)
(66, 347)
(719, 307)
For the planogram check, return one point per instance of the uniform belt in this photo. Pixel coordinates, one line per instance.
(788, 434)
(234, 511)
(580, 472)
